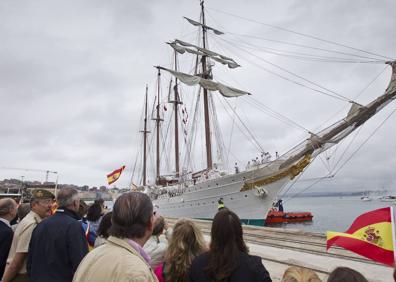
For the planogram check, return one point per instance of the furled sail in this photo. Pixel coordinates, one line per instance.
(208, 84)
(206, 51)
(182, 47)
(354, 110)
(182, 50)
(195, 23)
(333, 134)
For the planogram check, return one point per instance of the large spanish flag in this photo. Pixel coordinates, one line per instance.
(371, 235)
(112, 177)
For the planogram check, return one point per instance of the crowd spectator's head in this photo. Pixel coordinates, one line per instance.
(132, 217)
(82, 210)
(104, 226)
(226, 245)
(41, 202)
(8, 208)
(68, 198)
(185, 244)
(300, 274)
(94, 212)
(101, 203)
(346, 274)
(159, 226)
(23, 210)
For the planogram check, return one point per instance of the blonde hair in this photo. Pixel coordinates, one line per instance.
(185, 244)
(300, 274)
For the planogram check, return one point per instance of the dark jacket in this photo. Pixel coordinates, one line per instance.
(57, 247)
(250, 268)
(6, 235)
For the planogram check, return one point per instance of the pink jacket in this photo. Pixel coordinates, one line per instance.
(158, 272)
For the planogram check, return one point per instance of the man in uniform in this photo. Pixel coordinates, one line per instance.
(41, 204)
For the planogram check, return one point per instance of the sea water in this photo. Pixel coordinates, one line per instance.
(330, 213)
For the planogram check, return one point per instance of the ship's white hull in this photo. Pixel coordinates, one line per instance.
(200, 200)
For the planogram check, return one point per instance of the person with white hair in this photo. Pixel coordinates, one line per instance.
(58, 243)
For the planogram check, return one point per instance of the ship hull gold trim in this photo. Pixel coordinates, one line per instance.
(291, 172)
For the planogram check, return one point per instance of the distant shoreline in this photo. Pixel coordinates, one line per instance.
(336, 194)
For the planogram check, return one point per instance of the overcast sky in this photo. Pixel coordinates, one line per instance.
(73, 76)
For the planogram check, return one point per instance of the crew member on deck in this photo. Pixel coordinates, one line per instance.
(236, 168)
(220, 205)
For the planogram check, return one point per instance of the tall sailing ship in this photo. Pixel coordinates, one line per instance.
(190, 191)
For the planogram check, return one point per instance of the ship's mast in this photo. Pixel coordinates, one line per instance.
(176, 102)
(145, 132)
(205, 95)
(158, 122)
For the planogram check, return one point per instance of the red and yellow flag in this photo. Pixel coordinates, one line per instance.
(370, 235)
(112, 177)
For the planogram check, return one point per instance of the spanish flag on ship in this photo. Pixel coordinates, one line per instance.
(371, 235)
(112, 177)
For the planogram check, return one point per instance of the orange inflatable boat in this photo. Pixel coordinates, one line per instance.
(287, 217)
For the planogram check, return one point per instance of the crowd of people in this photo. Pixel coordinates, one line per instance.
(131, 243)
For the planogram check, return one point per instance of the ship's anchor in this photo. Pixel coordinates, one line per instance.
(261, 192)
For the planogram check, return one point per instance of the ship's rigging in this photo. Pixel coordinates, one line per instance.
(203, 79)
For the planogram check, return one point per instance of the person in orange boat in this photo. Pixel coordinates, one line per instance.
(279, 205)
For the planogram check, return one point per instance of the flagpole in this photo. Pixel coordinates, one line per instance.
(393, 232)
